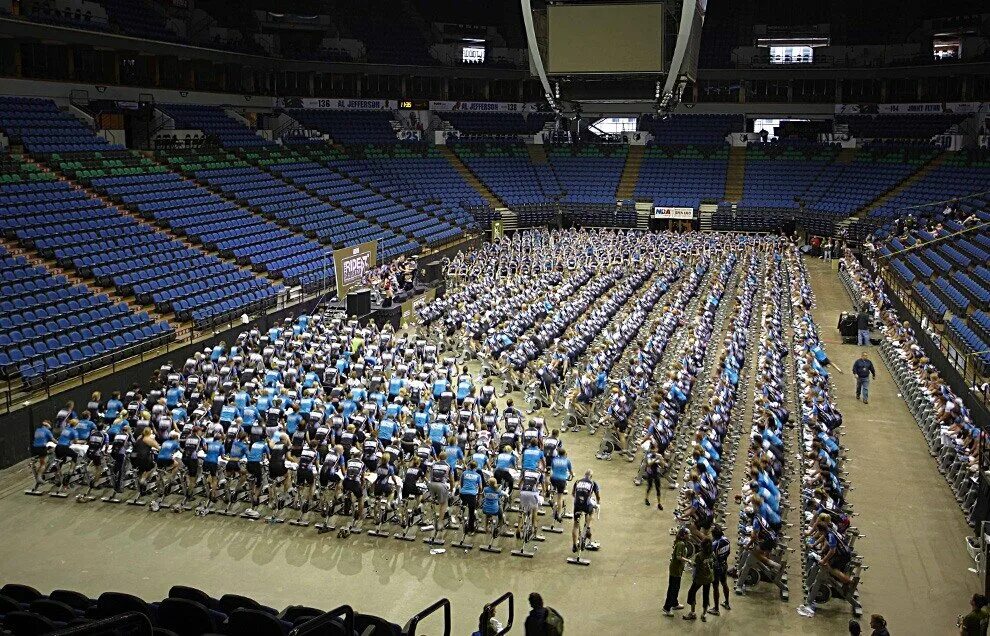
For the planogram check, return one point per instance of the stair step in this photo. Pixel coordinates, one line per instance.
(735, 174)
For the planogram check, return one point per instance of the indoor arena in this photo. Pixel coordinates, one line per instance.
(432, 317)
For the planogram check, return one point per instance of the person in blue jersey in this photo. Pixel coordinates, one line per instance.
(40, 441)
(236, 456)
(560, 472)
(532, 457)
(113, 408)
(440, 386)
(493, 500)
(84, 426)
(465, 387)
(471, 481)
(421, 419)
(258, 451)
(505, 461)
(173, 395)
(388, 431)
(455, 454)
(438, 431)
(167, 463)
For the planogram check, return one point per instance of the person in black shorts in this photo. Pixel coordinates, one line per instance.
(190, 458)
(412, 482)
(277, 471)
(720, 568)
(384, 488)
(144, 463)
(307, 462)
(587, 497)
(354, 481)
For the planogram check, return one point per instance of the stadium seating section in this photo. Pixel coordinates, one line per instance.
(213, 120)
(186, 610)
(203, 235)
(349, 127)
(41, 127)
(683, 175)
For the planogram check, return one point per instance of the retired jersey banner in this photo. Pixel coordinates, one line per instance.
(673, 213)
(344, 104)
(351, 264)
(483, 107)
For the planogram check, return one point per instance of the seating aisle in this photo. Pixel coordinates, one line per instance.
(915, 533)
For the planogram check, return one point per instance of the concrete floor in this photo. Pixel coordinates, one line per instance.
(917, 578)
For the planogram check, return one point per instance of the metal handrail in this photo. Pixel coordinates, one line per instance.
(410, 628)
(313, 625)
(135, 624)
(489, 612)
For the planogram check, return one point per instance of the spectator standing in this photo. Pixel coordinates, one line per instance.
(855, 629)
(677, 561)
(863, 326)
(879, 625)
(542, 620)
(975, 623)
(702, 581)
(863, 369)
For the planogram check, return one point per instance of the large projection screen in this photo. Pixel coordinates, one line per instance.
(606, 38)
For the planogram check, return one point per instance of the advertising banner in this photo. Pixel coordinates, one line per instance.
(411, 306)
(351, 263)
(673, 213)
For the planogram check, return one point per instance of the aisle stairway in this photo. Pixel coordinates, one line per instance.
(705, 216)
(644, 209)
(630, 172)
(846, 155)
(920, 173)
(458, 165)
(510, 220)
(537, 154)
(735, 174)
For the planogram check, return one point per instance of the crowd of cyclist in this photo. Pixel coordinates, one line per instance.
(319, 414)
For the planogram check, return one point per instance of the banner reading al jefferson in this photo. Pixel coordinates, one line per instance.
(350, 265)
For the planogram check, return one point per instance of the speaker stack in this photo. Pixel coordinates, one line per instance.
(359, 302)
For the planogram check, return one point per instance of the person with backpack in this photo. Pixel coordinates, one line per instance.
(677, 561)
(542, 620)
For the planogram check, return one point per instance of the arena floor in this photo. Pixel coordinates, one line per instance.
(914, 547)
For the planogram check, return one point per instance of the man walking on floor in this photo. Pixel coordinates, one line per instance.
(863, 369)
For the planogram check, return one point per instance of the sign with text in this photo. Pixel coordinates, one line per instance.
(351, 263)
(673, 213)
(483, 107)
(411, 306)
(320, 103)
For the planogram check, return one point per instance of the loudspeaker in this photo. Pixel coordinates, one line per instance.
(359, 302)
(431, 273)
